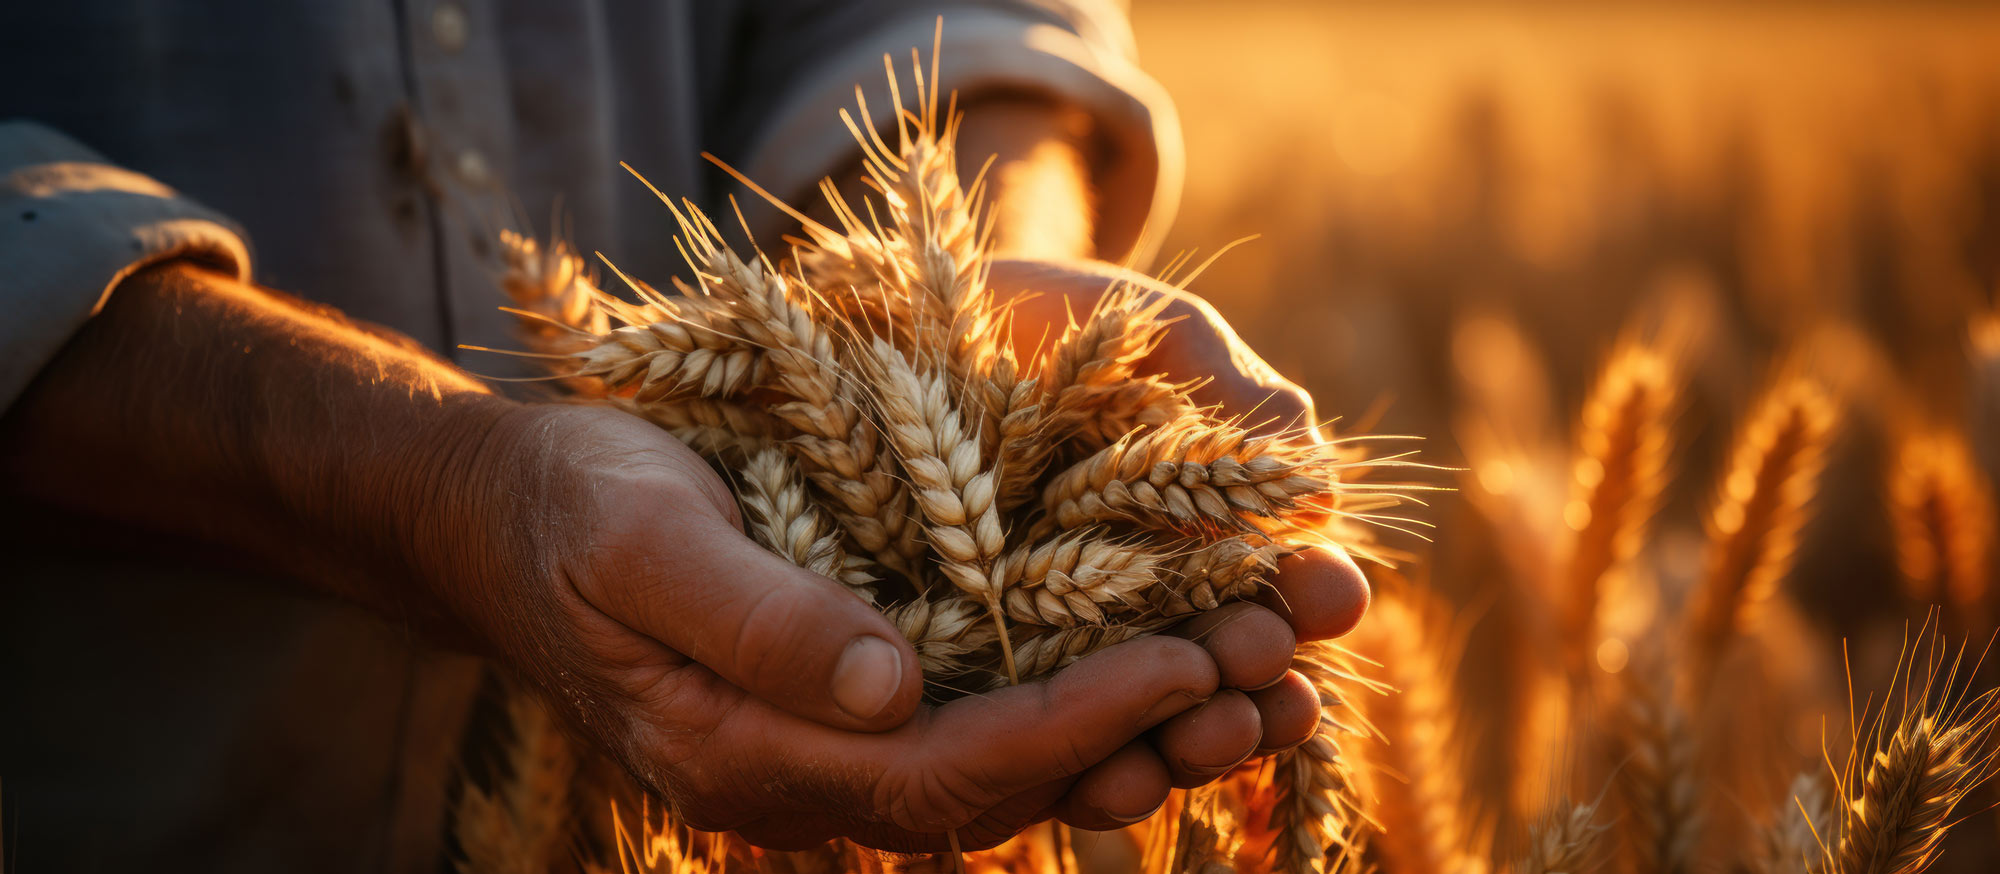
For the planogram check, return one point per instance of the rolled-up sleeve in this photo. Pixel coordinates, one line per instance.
(72, 226)
(806, 59)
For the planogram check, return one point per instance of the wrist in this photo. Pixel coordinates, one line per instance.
(1038, 186)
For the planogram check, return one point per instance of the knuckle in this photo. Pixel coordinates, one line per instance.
(927, 798)
(771, 638)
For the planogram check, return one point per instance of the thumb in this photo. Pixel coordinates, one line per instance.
(797, 640)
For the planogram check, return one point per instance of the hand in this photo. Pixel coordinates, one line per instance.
(1318, 594)
(604, 560)
(588, 549)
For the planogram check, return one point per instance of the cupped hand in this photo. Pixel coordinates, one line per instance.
(1317, 594)
(604, 560)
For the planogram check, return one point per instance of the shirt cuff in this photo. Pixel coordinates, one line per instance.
(985, 50)
(72, 226)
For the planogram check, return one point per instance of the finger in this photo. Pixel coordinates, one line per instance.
(976, 751)
(941, 771)
(790, 832)
(990, 829)
(1320, 592)
(1289, 711)
(1204, 743)
(790, 637)
(1123, 789)
(1251, 645)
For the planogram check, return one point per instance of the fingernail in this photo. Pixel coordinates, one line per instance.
(1129, 819)
(1169, 706)
(867, 677)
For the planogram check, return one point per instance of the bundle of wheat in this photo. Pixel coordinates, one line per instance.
(1010, 509)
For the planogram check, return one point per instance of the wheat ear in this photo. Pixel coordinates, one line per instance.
(1319, 811)
(1655, 780)
(779, 516)
(1566, 842)
(728, 430)
(1043, 650)
(1212, 572)
(944, 632)
(520, 826)
(1095, 360)
(1754, 527)
(1796, 842)
(1623, 443)
(1422, 829)
(835, 441)
(551, 287)
(1195, 477)
(951, 485)
(1944, 522)
(1073, 578)
(1919, 766)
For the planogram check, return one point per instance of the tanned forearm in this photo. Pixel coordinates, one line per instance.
(1039, 183)
(198, 406)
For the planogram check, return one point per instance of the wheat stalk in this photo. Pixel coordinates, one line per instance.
(521, 825)
(1754, 527)
(1944, 521)
(1623, 445)
(951, 485)
(1418, 799)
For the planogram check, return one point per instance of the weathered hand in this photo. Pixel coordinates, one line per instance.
(1316, 595)
(588, 549)
(604, 560)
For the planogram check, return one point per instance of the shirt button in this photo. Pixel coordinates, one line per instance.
(449, 26)
(472, 169)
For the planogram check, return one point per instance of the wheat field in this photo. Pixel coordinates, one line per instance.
(1474, 214)
(1699, 301)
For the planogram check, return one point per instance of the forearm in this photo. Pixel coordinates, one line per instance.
(1038, 186)
(200, 407)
